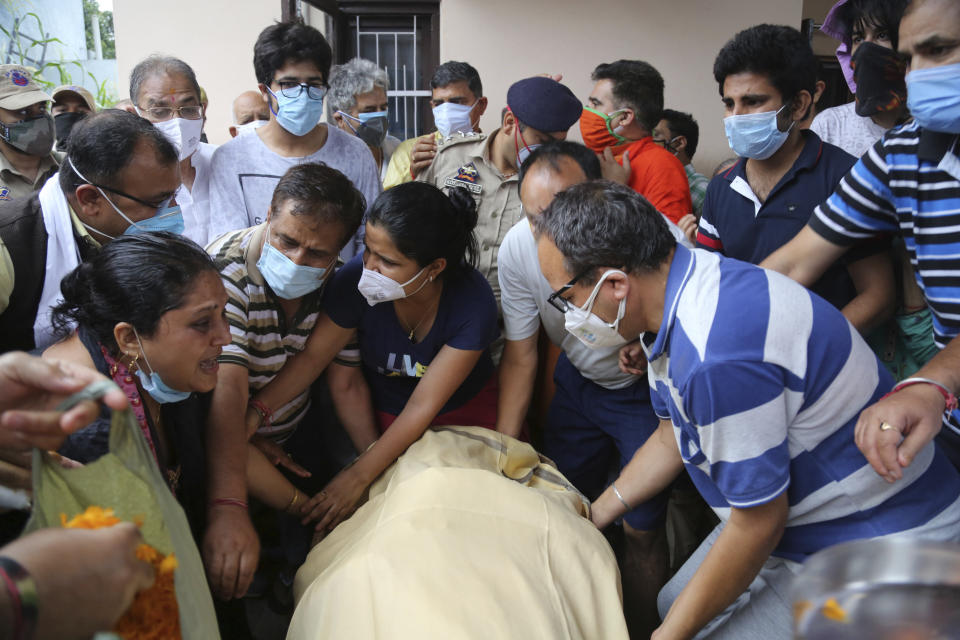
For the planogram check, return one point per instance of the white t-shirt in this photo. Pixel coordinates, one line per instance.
(244, 173)
(842, 127)
(195, 202)
(523, 298)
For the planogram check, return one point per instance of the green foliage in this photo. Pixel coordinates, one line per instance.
(60, 69)
(107, 41)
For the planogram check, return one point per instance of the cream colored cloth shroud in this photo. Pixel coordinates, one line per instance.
(470, 534)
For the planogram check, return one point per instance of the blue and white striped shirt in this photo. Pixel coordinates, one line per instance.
(764, 382)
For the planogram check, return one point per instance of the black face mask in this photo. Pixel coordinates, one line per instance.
(879, 74)
(63, 123)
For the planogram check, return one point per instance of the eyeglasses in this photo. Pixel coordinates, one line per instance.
(562, 304)
(315, 91)
(191, 112)
(152, 205)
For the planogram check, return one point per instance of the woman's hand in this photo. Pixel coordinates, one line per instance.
(337, 501)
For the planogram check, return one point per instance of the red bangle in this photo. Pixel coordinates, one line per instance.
(949, 399)
(266, 416)
(413, 176)
(231, 502)
(23, 596)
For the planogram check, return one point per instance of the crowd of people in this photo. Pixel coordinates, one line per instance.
(288, 312)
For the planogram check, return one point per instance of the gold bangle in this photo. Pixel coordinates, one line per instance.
(293, 501)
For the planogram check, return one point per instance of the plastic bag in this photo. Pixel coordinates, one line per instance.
(128, 481)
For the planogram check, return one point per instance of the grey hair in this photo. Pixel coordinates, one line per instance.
(603, 224)
(156, 65)
(348, 80)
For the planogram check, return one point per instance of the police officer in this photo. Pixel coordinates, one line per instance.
(538, 110)
(26, 134)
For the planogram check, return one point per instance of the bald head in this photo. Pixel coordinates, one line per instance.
(247, 107)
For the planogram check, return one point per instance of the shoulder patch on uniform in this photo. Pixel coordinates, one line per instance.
(4, 193)
(460, 138)
(466, 177)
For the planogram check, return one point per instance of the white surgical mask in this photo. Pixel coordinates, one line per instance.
(451, 118)
(589, 328)
(376, 287)
(183, 134)
(249, 126)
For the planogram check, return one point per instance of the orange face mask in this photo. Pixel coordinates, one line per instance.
(596, 131)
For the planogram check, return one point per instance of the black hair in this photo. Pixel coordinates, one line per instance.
(884, 15)
(425, 224)
(102, 145)
(781, 54)
(157, 65)
(135, 279)
(637, 85)
(683, 124)
(551, 153)
(603, 224)
(454, 71)
(286, 42)
(323, 193)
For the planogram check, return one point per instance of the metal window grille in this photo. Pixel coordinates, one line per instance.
(395, 50)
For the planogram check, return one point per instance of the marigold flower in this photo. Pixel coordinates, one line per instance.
(154, 614)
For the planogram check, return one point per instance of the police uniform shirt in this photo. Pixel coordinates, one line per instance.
(14, 185)
(463, 160)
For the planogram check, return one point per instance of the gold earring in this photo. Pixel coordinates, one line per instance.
(132, 367)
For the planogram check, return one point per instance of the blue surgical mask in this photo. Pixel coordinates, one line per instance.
(297, 115)
(933, 97)
(288, 279)
(755, 135)
(167, 218)
(373, 126)
(154, 386)
(452, 118)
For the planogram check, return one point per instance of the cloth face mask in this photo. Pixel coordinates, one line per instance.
(63, 124)
(33, 136)
(878, 72)
(597, 132)
(589, 328)
(755, 135)
(250, 126)
(933, 97)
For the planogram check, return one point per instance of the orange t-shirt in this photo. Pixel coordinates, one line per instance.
(658, 176)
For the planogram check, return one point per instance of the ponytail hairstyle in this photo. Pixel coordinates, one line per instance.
(425, 224)
(135, 279)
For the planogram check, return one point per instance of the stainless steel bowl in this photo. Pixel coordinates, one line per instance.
(883, 589)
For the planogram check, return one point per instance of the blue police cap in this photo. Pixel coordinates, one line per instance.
(544, 104)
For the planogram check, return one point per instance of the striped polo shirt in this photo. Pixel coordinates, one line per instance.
(908, 183)
(764, 382)
(261, 338)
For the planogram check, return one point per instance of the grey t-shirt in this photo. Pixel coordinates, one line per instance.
(523, 298)
(244, 173)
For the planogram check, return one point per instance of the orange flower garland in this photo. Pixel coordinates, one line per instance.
(153, 614)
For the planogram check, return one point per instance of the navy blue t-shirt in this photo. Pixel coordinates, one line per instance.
(466, 319)
(733, 225)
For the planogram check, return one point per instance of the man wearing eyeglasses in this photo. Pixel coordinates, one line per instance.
(758, 384)
(164, 90)
(292, 65)
(120, 177)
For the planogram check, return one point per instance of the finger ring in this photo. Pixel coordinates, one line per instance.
(886, 426)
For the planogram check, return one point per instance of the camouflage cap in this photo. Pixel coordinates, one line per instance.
(17, 88)
(85, 95)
